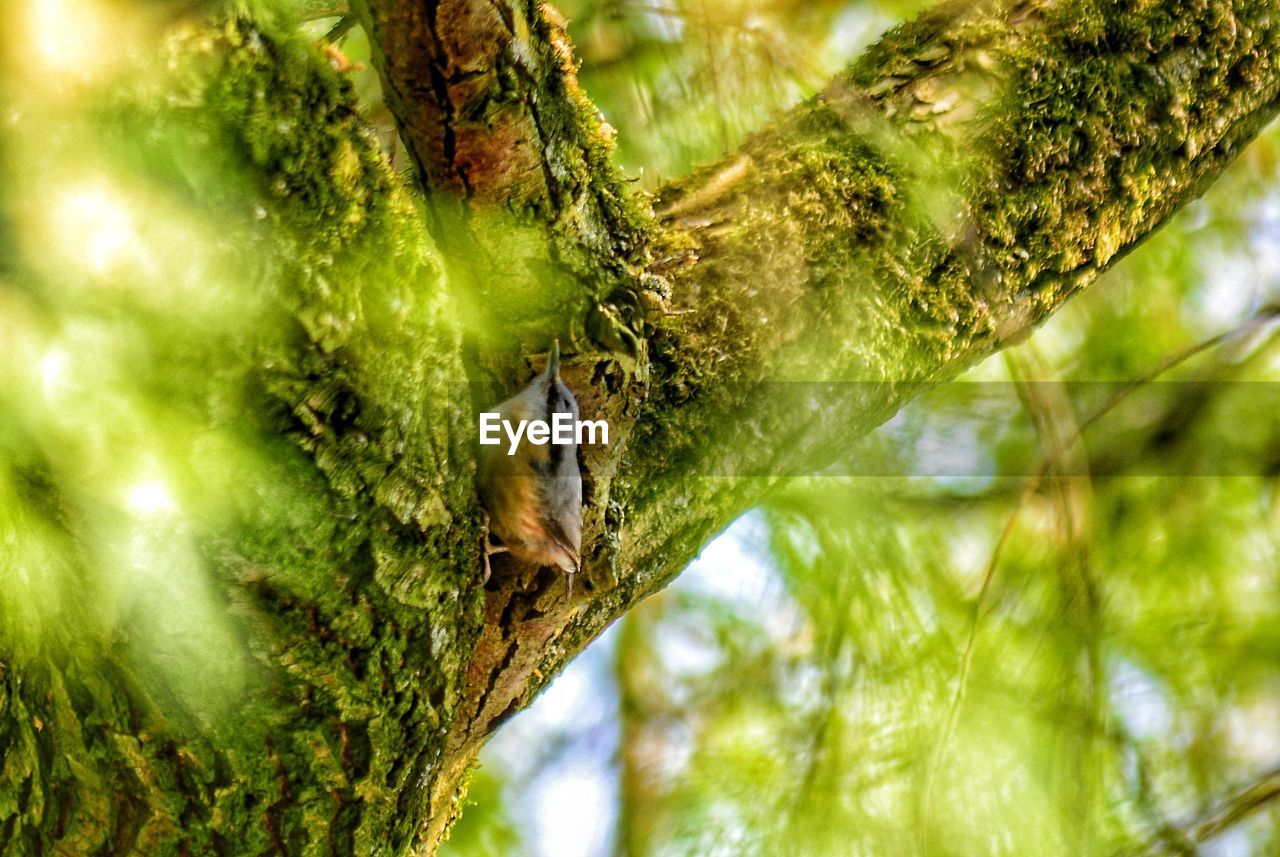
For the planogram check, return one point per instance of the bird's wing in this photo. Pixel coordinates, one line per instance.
(563, 521)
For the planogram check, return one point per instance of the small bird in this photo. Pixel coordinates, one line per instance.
(534, 498)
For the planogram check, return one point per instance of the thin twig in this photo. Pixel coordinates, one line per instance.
(1225, 815)
(319, 10)
(340, 29)
(1051, 411)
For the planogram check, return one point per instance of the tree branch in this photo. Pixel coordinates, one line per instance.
(948, 192)
(516, 162)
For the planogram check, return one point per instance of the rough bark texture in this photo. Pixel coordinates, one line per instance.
(950, 190)
(538, 226)
(305, 716)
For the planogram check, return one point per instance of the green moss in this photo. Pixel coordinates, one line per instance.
(817, 252)
(345, 551)
(1112, 113)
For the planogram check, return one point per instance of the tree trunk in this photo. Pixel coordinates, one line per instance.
(950, 190)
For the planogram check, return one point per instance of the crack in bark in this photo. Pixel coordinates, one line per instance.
(509, 646)
(440, 84)
(554, 195)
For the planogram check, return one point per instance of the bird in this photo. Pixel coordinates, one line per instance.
(533, 498)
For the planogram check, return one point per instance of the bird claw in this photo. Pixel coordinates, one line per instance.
(488, 549)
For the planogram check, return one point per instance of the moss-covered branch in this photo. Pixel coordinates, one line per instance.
(954, 187)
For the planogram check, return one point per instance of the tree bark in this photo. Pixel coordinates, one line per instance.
(950, 190)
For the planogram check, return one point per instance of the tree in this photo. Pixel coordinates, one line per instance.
(300, 654)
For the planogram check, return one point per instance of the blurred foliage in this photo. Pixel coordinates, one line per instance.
(122, 285)
(685, 80)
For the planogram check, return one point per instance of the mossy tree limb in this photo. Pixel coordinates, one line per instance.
(936, 201)
(535, 220)
(948, 192)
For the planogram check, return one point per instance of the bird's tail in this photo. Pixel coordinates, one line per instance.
(553, 360)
